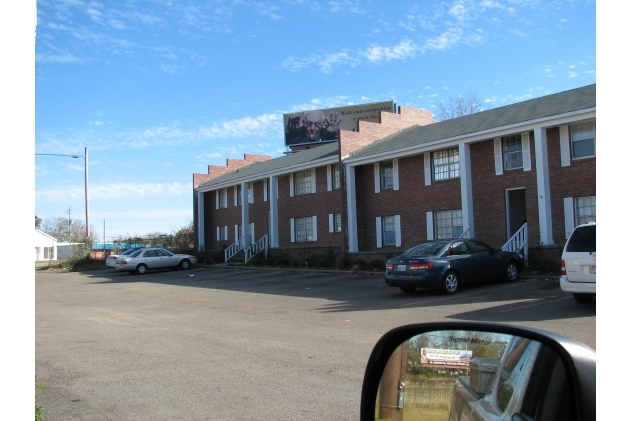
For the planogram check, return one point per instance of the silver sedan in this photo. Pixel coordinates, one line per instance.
(143, 260)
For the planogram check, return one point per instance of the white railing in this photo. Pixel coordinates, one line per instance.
(256, 248)
(519, 243)
(232, 250)
(465, 234)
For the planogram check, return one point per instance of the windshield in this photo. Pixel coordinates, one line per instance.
(426, 249)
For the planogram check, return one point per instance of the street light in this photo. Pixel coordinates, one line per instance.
(87, 201)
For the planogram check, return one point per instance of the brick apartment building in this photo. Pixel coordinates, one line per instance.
(519, 176)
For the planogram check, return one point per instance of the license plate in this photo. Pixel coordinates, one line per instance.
(401, 268)
(592, 270)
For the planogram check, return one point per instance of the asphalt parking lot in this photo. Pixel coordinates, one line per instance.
(243, 343)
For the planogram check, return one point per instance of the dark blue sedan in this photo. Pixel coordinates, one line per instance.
(446, 264)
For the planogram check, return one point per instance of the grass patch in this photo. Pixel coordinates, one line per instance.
(76, 264)
(39, 410)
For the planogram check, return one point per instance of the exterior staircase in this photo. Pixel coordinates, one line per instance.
(519, 243)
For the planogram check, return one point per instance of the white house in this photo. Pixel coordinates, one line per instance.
(45, 246)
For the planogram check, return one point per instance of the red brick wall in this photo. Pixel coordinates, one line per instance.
(577, 180)
(320, 204)
(489, 194)
(412, 201)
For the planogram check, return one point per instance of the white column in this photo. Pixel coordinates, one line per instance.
(466, 193)
(200, 221)
(273, 211)
(245, 215)
(351, 209)
(543, 186)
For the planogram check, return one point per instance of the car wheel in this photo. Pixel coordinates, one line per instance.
(451, 283)
(511, 272)
(408, 289)
(141, 269)
(583, 298)
(185, 264)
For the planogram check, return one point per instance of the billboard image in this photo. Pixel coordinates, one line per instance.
(324, 125)
(445, 357)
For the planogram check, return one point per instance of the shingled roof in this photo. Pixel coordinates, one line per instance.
(277, 164)
(538, 108)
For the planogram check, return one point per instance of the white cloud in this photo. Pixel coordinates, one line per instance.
(402, 50)
(58, 58)
(117, 190)
(572, 75)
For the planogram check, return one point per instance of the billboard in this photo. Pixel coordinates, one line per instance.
(445, 357)
(318, 126)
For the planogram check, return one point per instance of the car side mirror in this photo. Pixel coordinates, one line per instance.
(454, 371)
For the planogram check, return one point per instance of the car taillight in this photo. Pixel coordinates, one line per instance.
(563, 272)
(419, 266)
(389, 266)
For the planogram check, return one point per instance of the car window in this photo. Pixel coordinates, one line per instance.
(136, 253)
(426, 249)
(478, 247)
(583, 239)
(458, 248)
(150, 253)
(164, 253)
(128, 252)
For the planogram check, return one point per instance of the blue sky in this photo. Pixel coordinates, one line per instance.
(158, 90)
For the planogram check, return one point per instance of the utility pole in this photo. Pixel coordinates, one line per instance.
(87, 201)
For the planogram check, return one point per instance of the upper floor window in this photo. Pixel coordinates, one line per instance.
(446, 164)
(302, 182)
(585, 209)
(223, 198)
(448, 224)
(335, 176)
(237, 195)
(387, 175)
(583, 138)
(512, 151)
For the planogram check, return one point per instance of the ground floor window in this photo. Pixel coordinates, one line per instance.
(49, 253)
(448, 224)
(303, 229)
(585, 209)
(388, 230)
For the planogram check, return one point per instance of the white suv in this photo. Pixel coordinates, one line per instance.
(578, 264)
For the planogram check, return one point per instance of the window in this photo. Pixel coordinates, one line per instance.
(387, 175)
(585, 209)
(337, 222)
(48, 253)
(222, 233)
(388, 230)
(449, 224)
(583, 139)
(513, 157)
(446, 164)
(223, 198)
(303, 229)
(237, 195)
(335, 176)
(302, 182)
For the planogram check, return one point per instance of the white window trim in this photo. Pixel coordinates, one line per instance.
(427, 158)
(499, 159)
(291, 185)
(570, 130)
(225, 229)
(331, 223)
(329, 177)
(430, 225)
(224, 192)
(564, 140)
(236, 233)
(378, 229)
(292, 226)
(218, 233)
(252, 237)
(314, 227)
(235, 190)
(377, 177)
(397, 231)
(265, 190)
(216, 199)
(251, 192)
(525, 151)
(395, 174)
(313, 180)
(568, 210)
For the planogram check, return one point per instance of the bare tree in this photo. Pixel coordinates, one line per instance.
(458, 106)
(64, 230)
